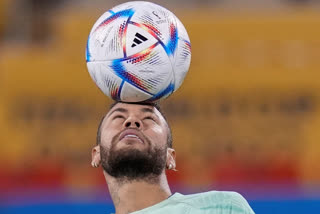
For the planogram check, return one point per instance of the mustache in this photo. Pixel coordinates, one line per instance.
(115, 138)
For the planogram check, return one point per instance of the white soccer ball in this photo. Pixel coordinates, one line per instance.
(138, 51)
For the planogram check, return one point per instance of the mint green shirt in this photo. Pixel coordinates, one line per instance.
(213, 202)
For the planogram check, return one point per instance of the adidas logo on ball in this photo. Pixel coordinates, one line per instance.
(138, 40)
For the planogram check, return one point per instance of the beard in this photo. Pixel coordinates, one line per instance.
(133, 164)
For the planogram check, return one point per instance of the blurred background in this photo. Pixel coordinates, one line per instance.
(246, 119)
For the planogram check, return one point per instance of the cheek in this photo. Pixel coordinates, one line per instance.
(107, 136)
(158, 134)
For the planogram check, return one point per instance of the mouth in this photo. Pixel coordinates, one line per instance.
(131, 134)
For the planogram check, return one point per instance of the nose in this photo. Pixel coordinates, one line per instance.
(132, 123)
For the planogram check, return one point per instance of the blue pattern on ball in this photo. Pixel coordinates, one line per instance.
(124, 75)
(163, 93)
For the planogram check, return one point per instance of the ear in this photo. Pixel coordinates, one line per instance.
(171, 159)
(95, 155)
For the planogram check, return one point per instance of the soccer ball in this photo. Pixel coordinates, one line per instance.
(138, 52)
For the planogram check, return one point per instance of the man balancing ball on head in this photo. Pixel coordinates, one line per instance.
(140, 51)
(134, 148)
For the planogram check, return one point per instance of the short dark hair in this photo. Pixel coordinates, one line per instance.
(156, 105)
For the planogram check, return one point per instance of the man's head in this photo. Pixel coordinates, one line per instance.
(134, 141)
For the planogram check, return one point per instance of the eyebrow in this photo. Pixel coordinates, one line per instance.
(123, 110)
(147, 110)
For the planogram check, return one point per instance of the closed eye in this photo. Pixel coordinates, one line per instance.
(118, 116)
(149, 118)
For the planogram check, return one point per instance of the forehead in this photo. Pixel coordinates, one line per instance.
(134, 108)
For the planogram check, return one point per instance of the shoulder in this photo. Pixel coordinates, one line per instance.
(215, 195)
(224, 200)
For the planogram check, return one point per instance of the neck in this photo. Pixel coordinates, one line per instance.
(130, 196)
